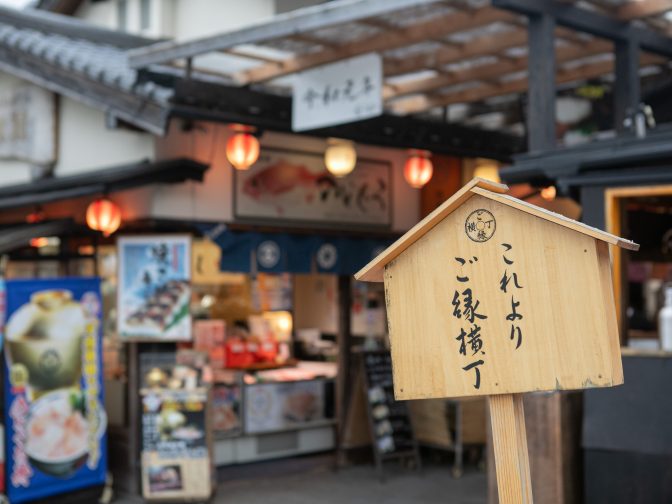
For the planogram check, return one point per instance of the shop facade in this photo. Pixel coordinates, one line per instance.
(232, 324)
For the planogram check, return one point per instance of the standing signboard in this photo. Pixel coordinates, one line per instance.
(154, 289)
(54, 413)
(337, 93)
(389, 420)
(489, 295)
(175, 453)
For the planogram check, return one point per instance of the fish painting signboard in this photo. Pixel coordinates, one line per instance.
(296, 186)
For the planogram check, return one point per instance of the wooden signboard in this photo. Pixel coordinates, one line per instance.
(389, 420)
(489, 295)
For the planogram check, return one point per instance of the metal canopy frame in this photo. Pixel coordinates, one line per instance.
(595, 23)
(230, 104)
(437, 53)
(551, 166)
(283, 25)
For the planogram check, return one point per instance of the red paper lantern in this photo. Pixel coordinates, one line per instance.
(242, 150)
(104, 216)
(35, 217)
(418, 169)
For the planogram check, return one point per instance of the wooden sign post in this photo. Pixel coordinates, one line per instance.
(491, 296)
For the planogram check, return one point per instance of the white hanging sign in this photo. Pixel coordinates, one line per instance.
(341, 92)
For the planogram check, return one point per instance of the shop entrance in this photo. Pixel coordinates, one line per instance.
(645, 214)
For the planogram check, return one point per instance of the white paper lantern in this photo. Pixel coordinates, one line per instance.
(340, 157)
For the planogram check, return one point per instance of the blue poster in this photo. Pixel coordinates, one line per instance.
(55, 420)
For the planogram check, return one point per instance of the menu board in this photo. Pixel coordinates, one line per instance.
(390, 420)
(55, 422)
(154, 287)
(175, 452)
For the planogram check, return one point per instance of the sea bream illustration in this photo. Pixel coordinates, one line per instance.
(283, 182)
(282, 177)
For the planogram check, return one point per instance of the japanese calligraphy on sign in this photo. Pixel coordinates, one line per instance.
(338, 93)
(465, 307)
(490, 295)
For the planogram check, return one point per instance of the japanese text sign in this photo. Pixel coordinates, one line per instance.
(496, 297)
(342, 92)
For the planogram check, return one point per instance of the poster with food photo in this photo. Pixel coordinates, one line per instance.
(276, 406)
(54, 410)
(154, 288)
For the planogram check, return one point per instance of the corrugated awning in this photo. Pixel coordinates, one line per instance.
(18, 236)
(107, 180)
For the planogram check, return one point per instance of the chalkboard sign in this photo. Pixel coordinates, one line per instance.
(389, 420)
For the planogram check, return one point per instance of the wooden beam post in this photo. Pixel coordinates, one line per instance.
(541, 82)
(510, 443)
(626, 85)
(344, 382)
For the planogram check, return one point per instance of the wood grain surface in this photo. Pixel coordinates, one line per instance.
(510, 444)
(568, 334)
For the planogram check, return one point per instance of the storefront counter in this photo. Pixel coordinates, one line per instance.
(280, 413)
(627, 434)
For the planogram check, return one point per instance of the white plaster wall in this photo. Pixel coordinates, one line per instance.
(179, 19)
(198, 18)
(213, 200)
(103, 14)
(13, 172)
(86, 144)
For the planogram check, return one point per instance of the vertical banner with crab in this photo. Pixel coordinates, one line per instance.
(54, 410)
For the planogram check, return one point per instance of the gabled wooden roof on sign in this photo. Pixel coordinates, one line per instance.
(436, 53)
(373, 272)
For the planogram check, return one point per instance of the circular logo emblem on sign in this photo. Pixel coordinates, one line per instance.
(480, 225)
(327, 256)
(268, 254)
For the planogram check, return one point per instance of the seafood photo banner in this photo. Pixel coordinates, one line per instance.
(292, 186)
(154, 288)
(54, 408)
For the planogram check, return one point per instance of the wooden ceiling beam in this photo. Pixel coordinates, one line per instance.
(643, 9)
(240, 53)
(413, 34)
(485, 45)
(309, 39)
(490, 71)
(479, 46)
(587, 71)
